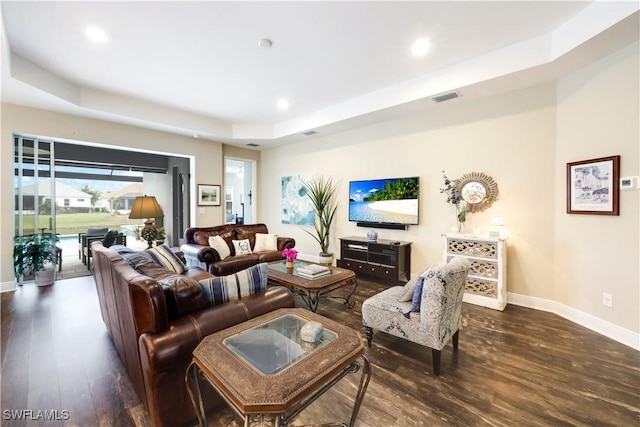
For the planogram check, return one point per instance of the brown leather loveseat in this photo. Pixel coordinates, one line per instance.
(155, 327)
(198, 253)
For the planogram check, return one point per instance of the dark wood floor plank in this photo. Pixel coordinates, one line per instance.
(15, 390)
(517, 367)
(109, 405)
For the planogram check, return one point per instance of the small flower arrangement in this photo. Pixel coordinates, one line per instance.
(290, 254)
(454, 197)
(451, 190)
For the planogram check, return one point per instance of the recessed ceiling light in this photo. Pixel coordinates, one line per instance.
(420, 47)
(96, 34)
(266, 43)
(283, 104)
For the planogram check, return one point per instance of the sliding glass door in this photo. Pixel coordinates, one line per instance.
(34, 184)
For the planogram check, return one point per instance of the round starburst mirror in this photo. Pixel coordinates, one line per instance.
(478, 190)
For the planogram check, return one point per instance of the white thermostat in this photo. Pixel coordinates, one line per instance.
(629, 183)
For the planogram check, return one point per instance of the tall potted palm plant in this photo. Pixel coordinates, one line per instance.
(322, 192)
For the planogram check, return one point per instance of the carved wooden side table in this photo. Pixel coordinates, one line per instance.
(268, 375)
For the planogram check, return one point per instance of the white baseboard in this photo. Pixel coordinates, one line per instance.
(608, 329)
(8, 286)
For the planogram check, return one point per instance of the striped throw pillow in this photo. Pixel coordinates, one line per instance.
(164, 256)
(222, 289)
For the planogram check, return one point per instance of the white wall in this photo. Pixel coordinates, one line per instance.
(509, 137)
(598, 116)
(523, 140)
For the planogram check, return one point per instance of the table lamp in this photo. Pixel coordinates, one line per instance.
(147, 207)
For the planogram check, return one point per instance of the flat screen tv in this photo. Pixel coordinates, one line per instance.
(392, 201)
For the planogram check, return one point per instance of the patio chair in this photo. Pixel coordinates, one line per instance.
(112, 237)
(92, 232)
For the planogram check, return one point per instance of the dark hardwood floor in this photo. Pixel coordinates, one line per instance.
(517, 367)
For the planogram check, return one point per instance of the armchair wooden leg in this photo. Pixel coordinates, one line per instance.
(454, 338)
(436, 361)
(369, 333)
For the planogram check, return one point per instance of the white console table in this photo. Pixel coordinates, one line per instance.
(487, 280)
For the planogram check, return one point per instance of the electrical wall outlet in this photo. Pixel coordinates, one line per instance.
(607, 299)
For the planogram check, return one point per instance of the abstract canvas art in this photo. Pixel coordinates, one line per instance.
(296, 205)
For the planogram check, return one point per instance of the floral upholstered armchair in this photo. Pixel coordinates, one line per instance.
(427, 310)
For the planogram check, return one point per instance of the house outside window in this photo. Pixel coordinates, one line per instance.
(66, 202)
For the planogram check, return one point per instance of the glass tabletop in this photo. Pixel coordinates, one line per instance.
(276, 345)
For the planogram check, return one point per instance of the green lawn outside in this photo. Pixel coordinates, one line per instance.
(74, 223)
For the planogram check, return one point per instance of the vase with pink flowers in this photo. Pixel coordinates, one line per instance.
(290, 256)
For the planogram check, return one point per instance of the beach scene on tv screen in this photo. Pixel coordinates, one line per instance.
(384, 200)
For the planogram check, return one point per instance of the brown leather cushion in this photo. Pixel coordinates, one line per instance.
(269, 256)
(233, 264)
(202, 237)
(183, 294)
(247, 234)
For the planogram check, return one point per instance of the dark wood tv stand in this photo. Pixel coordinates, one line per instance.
(385, 259)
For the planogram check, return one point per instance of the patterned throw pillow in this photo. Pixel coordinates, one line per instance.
(164, 256)
(417, 295)
(408, 289)
(242, 247)
(410, 286)
(266, 242)
(137, 258)
(218, 243)
(222, 289)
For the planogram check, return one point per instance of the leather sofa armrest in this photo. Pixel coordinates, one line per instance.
(177, 342)
(166, 355)
(286, 242)
(149, 305)
(199, 254)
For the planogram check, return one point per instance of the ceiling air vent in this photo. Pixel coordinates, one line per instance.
(446, 96)
(252, 144)
(309, 133)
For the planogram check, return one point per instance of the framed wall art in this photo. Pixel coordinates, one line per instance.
(297, 207)
(208, 195)
(592, 186)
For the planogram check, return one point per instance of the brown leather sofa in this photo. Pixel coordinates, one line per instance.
(198, 253)
(155, 342)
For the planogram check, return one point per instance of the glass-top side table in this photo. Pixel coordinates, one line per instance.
(268, 375)
(312, 289)
(276, 345)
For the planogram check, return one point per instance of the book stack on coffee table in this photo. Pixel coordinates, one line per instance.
(313, 271)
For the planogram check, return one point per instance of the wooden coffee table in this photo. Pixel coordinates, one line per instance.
(268, 375)
(312, 289)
